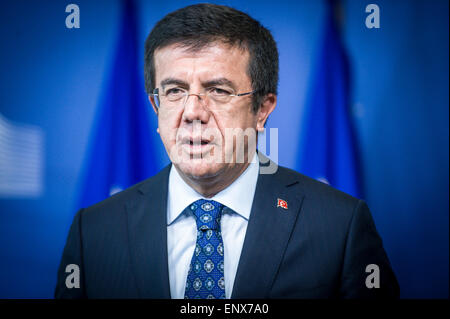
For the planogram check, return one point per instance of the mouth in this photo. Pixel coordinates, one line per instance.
(196, 146)
(202, 142)
(191, 141)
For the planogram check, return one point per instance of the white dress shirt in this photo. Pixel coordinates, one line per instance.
(182, 227)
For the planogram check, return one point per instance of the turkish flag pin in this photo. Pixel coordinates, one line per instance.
(282, 203)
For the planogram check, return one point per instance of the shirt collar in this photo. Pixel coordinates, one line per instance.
(180, 194)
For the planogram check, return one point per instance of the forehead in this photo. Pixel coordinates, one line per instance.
(213, 61)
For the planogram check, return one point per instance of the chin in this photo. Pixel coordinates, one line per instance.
(198, 169)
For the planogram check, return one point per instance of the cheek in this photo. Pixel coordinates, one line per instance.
(232, 126)
(237, 118)
(168, 122)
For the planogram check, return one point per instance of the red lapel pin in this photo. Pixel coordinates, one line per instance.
(282, 203)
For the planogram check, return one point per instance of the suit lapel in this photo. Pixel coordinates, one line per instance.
(267, 236)
(266, 239)
(147, 232)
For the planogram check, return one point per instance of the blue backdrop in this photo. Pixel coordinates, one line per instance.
(53, 82)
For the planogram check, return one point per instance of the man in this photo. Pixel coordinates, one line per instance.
(211, 224)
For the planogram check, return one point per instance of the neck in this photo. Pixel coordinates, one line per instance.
(210, 186)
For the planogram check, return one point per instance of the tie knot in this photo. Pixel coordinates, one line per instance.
(207, 213)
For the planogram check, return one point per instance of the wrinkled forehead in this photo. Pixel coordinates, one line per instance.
(201, 45)
(213, 59)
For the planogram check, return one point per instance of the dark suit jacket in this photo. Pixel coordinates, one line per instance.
(317, 248)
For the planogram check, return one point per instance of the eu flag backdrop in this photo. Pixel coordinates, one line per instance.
(329, 152)
(120, 152)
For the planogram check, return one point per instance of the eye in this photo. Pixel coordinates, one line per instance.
(174, 92)
(219, 92)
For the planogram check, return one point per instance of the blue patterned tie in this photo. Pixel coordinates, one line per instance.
(205, 279)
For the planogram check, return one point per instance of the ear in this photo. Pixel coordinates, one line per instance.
(152, 102)
(155, 109)
(267, 106)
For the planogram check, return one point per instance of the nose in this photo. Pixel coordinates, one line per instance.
(195, 109)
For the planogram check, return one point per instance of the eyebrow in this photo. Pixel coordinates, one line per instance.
(209, 83)
(170, 81)
(219, 81)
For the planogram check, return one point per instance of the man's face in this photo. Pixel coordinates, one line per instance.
(198, 130)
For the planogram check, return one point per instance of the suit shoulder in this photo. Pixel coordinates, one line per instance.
(322, 204)
(316, 190)
(117, 202)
